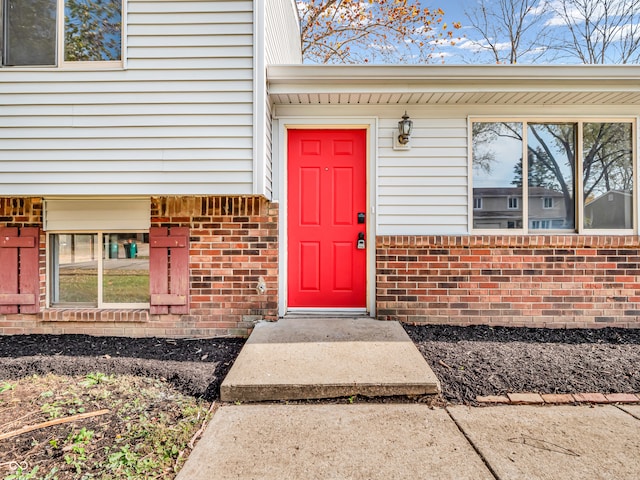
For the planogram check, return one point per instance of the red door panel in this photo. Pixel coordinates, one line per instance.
(326, 191)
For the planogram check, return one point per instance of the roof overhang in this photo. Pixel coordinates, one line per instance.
(454, 84)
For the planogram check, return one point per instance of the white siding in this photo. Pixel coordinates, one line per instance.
(282, 33)
(282, 46)
(423, 190)
(178, 120)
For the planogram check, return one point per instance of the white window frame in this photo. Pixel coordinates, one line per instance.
(99, 301)
(60, 61)
(544, 203)
(513, 203)
(579, 121)
(477, 203)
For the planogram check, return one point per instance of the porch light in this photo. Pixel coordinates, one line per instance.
(404, 128)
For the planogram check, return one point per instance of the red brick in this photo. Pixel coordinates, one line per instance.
(622, 398)
(492, 399)
(525, 398)
(557, 398)
(590, 398)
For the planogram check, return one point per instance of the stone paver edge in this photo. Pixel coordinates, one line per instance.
(527, 398)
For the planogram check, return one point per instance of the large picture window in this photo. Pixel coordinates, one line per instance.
(91, 31)
(101, 269)
(579, 175)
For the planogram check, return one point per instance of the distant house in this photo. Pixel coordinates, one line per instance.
(189, 177)
(500, 208)
(611, 210)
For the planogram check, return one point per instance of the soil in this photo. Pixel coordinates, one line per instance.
(469, 361)
(194, 367)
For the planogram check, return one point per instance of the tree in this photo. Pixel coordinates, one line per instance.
(509, 30)
(598, 31)
(92, 30)
(574, 31)
(361, 31)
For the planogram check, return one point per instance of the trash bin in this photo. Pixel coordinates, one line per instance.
(130, 249)
(113, 250)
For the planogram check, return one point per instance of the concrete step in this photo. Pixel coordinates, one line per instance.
(311, 358)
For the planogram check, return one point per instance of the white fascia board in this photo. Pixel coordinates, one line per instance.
(443, 78)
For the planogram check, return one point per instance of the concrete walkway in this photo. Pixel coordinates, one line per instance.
(324, 358)
(306, 358)
(414, 441)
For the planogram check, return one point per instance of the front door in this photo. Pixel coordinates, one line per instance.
(327, 218)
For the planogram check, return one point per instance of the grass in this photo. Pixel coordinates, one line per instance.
(119, 286)
(145, 434)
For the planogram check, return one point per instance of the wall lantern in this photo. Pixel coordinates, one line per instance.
(404, 128)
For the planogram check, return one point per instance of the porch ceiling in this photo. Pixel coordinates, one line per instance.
(454, 85)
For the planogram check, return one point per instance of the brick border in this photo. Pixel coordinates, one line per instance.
(559, 398)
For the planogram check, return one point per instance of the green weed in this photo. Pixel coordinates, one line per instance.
(6, 386)
(95, 378)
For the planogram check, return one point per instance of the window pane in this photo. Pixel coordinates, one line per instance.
(93, 30)
(551, 161)
(608, 175)
(126, 268)
(497, 175)
(30, 29)
(76, 278)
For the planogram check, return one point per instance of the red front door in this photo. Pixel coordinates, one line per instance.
(326, 193)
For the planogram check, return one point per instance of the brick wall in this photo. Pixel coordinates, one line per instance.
(233, 248)
(233, 252)
(537, 281)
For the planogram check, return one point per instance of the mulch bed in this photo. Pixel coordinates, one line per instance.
(480, 360)
(194, 367)
(469, 361)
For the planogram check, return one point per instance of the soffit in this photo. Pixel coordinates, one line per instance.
(454, 85)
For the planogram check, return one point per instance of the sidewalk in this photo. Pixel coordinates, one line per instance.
(311, 358)
(414, 441)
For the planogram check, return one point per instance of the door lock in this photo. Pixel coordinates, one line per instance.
(361, 244)
(360, 217)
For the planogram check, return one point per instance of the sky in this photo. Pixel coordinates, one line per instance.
(607, 21)
(612, 34)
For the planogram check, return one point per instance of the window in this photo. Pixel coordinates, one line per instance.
(540, 224)
(580, 173)
(91, 31)
(477, 203)
(101, 269)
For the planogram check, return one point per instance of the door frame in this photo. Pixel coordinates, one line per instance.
(282, 125)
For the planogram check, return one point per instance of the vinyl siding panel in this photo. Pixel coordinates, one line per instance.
(282, 46)
(177, 120)
(269, 152)
(282, 33)
(423, 191)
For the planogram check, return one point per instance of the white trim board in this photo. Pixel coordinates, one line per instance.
(281, 125)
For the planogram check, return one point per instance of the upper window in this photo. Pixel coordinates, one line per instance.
(32, 35)
(579, 175)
